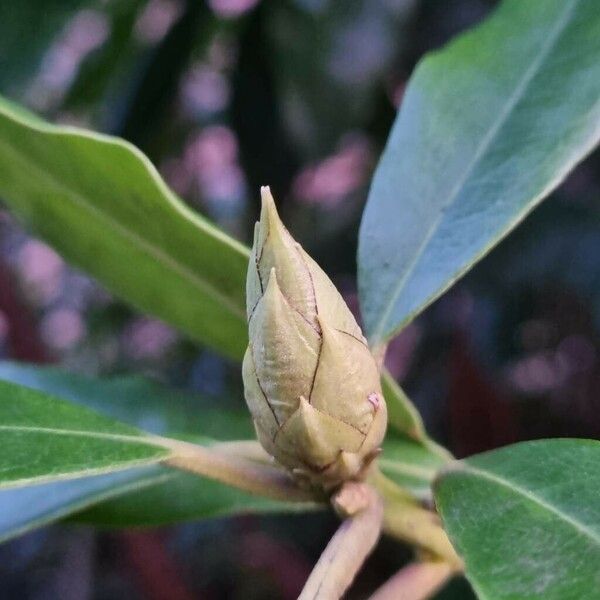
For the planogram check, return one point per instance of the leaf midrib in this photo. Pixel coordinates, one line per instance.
(487, 140)
(100, 435)
(529, 495)
(131, 236)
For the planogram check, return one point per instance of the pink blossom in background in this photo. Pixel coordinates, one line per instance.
(212, 158)
(85, 32)
(62, 328)
(209, 169)
(330, 181)
(156, 19)
(204, 90)
(41, 271)
(147, 339)
(214, 147)
(537, 373)
(546, 370)
(229, 9)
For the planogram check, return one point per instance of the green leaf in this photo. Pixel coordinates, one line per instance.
(411, 465)
(149, 495)
(526, 519)
(24, 509)
(100, 202)
(47, 439)
(488, 127)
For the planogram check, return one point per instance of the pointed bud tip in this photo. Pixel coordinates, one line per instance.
(267, 200)
(268, 213)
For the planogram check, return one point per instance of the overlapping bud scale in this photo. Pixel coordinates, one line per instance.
(310, 381)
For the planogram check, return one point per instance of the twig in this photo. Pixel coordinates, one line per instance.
(233, 467)
(351, 544)
(417, 581)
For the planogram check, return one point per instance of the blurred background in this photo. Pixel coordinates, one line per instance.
(224, 96)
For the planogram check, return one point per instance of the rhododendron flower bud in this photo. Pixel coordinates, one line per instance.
(310, 380)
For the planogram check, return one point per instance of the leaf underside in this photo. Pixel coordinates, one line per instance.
(488, 127)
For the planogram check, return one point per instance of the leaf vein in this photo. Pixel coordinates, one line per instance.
(140, 439)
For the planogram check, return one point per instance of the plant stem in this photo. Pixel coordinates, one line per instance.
(236, 464)
(351, 544)
(249, 449)
(417, 581)
(406, 520)
(419, 527)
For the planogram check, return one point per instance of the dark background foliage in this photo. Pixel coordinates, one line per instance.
(227, 95)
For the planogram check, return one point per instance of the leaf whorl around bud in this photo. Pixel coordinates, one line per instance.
(310, 380)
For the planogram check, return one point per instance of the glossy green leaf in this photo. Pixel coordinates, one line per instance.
(100, 202)
(487, 128)
(526, 519)
(47, 439)
(150, 495)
